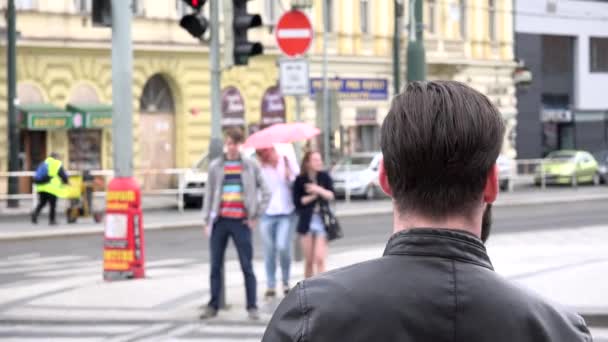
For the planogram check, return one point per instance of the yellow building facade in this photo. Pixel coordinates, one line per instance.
(63, 60)
(465, 40)
(68, 63)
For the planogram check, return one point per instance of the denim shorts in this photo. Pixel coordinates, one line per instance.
(317, 227)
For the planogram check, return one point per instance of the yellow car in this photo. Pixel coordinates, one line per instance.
(568, 167)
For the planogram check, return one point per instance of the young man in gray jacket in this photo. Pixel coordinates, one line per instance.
(235, 197)
(435, 281)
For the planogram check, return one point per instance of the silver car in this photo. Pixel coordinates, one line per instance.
(357, 175)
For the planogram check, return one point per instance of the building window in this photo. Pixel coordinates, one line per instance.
(463, 19)
(83, 6)
(598, 54)
(492, 20)
(138, 7)
(364, 15)
(329, 18)
(25, 4)
(181, 8)
(432, 16)
(270, 10)
(84, 149)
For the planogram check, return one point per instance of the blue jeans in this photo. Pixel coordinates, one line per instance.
(241, 235)
(276, 233)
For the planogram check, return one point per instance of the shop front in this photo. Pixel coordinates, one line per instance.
(357, 104)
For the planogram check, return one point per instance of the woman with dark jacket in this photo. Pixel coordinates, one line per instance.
(312, 189)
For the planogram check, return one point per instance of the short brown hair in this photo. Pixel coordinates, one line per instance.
(439, 141)
(235, 134)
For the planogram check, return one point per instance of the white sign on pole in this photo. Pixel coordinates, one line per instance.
(294, 78)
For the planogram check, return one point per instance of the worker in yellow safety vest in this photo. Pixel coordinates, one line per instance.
(49, 178)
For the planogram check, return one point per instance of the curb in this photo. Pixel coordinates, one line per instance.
(379, 208)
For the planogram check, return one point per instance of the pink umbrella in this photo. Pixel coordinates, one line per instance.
(281, 133)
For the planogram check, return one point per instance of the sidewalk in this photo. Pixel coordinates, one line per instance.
(569, 267)
(163, 216)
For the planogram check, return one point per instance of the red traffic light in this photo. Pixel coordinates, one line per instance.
(196, 4)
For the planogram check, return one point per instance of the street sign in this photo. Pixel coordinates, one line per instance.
(294, 33)
(294, 79)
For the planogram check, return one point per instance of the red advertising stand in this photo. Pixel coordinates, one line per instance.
(123, 254)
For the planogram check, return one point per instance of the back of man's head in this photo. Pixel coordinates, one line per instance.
(439, 142)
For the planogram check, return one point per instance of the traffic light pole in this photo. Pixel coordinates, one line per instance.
(416, 64)
(326, 114)
(13, 129)
(398, 20)
(122, 93)
(216, 142)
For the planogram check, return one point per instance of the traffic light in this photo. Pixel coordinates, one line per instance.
(101, 13)
(241, 22)
(195, 23)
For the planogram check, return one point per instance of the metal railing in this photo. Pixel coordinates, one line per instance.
(172, 183)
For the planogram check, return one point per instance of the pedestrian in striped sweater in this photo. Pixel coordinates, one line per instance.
(235, 197)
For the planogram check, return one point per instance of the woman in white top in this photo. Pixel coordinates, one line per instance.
(279, 172)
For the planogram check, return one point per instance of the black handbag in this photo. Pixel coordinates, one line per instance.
(331, 223)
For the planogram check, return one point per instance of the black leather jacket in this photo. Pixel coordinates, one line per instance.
(431, 285)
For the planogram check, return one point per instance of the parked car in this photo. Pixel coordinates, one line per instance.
(506, 171)
(194, 182)
(602, 160)
(568, 167)
(358, 174)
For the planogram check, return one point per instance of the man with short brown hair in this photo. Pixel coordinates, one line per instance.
(231, 209)
(435, 282)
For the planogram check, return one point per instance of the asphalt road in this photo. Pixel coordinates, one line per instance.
(361, 230)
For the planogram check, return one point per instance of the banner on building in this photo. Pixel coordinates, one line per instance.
(233, 107)
(366, 89)
(273, 107)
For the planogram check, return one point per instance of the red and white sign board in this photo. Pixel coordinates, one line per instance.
(294, 33)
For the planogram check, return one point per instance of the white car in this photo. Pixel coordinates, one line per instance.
(506, 171)
(193, 186)
(358, 175)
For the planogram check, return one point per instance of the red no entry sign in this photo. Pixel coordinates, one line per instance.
(294, 33)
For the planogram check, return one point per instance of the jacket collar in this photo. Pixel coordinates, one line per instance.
(442, 243)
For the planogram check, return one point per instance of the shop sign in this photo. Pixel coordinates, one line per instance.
(555, 115)
(374, 89)
(99, 120)
(273, 107)
(233, 107)
(366, 116)
(49, 121)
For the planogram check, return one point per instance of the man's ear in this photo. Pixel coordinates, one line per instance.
(383, 178)
(490, 192)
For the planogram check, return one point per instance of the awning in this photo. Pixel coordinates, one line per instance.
(93, 115)
(44, 116)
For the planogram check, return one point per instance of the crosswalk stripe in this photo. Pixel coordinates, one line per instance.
(71, 271)
(33, 261)
(61, 328)
(232, 329)
(23, 256)
(169, 262)
(51, 339)
(183, 330)
(47, 266)
(142, 332)
(221, 339)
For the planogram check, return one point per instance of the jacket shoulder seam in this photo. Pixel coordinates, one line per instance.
(454, 280)
(301, 334)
